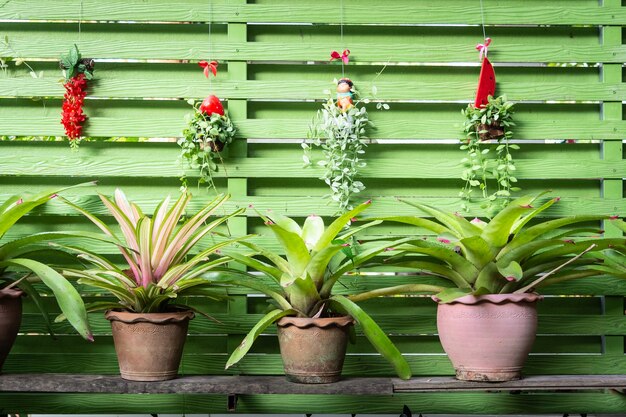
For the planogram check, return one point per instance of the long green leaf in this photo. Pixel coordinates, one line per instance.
(497, 231)
(295, 249)
(257, 265)
(457, 225)
(66, 295)
(243, 348)
(375, 335)
(396, 290)
(338, 225)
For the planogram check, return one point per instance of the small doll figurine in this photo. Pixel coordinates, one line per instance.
(344, 94)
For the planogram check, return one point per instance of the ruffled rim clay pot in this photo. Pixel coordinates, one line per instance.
(313, 350)
(488, 337)
(149, 346)
(10, 320)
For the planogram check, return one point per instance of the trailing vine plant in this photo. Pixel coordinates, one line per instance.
(209, 130)
(77, 71)
(340, 133)
(486, 128)
(339, 129)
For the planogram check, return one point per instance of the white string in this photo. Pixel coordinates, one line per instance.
(482, 16)
(343, 46)
(210, 57)
(80, 19)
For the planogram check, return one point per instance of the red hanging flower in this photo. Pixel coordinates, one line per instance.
(77, 71)
(72, 116)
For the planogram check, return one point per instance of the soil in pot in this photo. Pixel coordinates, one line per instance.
(149, 346)
(493, 131)
(313, 350)
(10, 320)
(488, 337)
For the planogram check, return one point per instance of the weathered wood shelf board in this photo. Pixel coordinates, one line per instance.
(246, 385)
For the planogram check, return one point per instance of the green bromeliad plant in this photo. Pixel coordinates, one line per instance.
(509, 254)
(159, 268)
(315, 258)
(20, 268)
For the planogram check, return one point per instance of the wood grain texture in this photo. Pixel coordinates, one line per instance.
(404, 12)
(166, 87)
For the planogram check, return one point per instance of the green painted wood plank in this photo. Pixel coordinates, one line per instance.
(166, 87)
(239, 323)
(148, 160)
(369, 13)
(167, 49)
(271, 364)
(465, 403)
(304, 206)
(135, 124)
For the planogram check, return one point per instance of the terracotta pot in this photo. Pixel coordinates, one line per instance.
(488, 337)
(10, 320)
(313, 350)
(149, 346)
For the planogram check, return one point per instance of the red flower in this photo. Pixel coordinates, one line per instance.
(72, 116)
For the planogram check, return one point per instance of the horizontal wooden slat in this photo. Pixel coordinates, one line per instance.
(422, 12)
(434, 403)
(312, 90)
(135, 124)
(49, 48)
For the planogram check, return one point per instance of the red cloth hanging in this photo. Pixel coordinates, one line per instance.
(486, 83)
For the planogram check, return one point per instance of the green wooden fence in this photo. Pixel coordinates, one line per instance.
(561, 61)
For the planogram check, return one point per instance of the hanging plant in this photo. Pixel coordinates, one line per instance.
(339, 130)
(209, 130)
(487, 130)
(77, 72)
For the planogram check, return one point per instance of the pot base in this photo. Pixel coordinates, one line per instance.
(478, 375)
(314, 379)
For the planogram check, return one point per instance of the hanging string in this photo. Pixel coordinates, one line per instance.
(343, 46)
(210, 43)
(482, 17)
(80, 19)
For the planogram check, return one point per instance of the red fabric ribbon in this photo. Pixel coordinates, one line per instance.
(209, 66)
(483, 47)
(343, 56)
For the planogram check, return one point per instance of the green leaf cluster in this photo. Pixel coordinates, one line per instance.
(159, 268)
(18, 266)
(315, 258)
(479, 168)
(73, 64)
(203, 140)
(509, 254)
(341, 137)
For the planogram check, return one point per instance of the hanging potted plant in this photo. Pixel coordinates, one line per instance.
(339, 129)
(209, 130)
(149, 321)
(487, 130)
(487, 320)
(78, 71)
(313, 323)
(19, 269)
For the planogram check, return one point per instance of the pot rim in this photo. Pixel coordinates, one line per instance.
(10, 293)
(324, 322)
(496, 299)
(130, 317)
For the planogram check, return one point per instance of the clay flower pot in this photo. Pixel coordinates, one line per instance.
(488, 337)
(149, 346)
(10, 320)
(313, 350)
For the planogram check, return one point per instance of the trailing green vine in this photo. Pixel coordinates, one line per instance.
(205, 136)
(340, 132)
(489, 125)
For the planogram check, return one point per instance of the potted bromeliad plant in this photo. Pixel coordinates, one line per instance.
(20, 268)
(149, 321)
(487, 319)
(313, 323)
